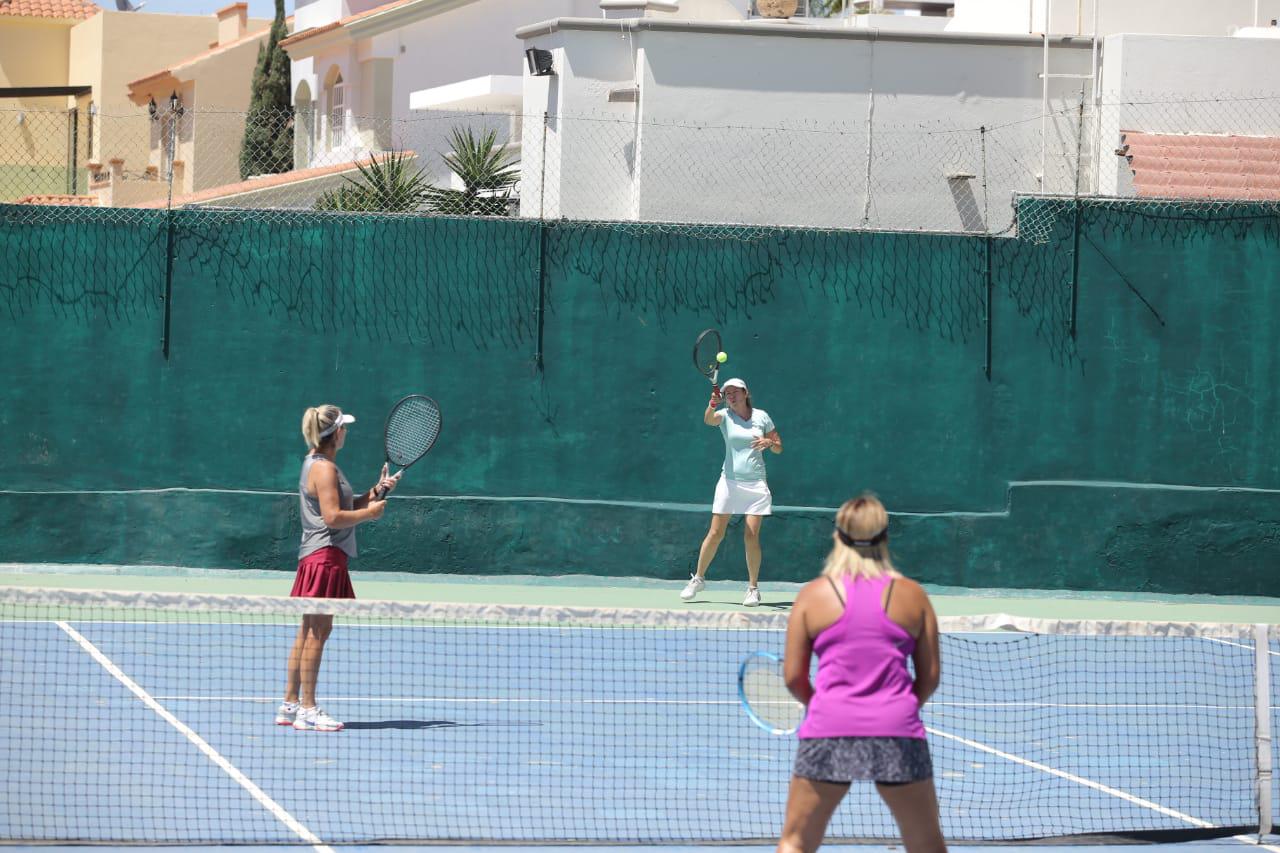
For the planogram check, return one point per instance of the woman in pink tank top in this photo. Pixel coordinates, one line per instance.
(863, 619)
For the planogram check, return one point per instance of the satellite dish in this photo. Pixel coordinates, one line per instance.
(126, 6)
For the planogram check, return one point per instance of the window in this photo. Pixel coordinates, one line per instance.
(337, 114)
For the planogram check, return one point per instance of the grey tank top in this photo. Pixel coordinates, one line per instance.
(315, 533)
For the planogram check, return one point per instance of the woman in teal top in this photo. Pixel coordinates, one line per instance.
(743, 488)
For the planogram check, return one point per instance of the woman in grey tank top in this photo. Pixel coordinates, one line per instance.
(330, 511)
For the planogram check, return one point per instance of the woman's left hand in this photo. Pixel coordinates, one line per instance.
(386, 484)
(762, 442)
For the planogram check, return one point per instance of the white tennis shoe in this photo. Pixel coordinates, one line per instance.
(753, 597)
(316, 720)
(692, 588)
(286, 713)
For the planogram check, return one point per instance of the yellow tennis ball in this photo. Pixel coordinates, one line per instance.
(722, 357)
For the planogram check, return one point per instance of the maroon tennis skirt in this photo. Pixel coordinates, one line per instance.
(323, 574)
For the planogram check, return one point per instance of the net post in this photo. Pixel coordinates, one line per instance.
(1262, 738)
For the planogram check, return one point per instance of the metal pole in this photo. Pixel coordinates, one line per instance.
(1075, 254)
(1097, 106)
(1262, 708)
(542, 245)
(168, 224)
(1044, 95)
(74, 159)
(871, 116)
(986, 225)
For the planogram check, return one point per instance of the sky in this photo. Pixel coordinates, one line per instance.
(257, 8)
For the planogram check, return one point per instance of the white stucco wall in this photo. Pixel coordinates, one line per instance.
(1070, 17)
(455, 41)
(1181, 84)
(756, 124)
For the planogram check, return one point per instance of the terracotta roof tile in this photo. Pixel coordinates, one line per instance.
(66, 200)
(76, 10)
(1202, 166)
(266, 182)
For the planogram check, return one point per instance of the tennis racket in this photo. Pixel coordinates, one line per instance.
(412, 428)
(705, 350)
(765, 696)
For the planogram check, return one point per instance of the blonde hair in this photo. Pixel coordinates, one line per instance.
(316, 420)
(861, 548)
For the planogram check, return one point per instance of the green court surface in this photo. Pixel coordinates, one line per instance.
(588, 591)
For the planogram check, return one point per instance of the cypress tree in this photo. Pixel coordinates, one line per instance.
(268, 129)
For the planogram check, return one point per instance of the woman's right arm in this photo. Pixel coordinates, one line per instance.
(324, 480)
(711, 417)
(926, 655)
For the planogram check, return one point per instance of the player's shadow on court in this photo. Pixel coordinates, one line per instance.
(405, 724)
(763, 605)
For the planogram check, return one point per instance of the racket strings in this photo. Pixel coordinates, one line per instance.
(411, 430)
(705, 350)
(767, 695)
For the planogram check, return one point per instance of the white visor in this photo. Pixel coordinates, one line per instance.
(734, 383)
(341, 421)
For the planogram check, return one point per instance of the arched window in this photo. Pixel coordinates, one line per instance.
(336, 109)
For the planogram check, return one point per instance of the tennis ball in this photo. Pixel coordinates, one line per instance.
(722, 357)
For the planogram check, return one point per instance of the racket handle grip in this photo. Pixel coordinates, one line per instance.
(379, 493)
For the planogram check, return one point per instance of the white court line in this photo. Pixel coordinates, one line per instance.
(1097, 786)
(200, 743)
(1237, 645)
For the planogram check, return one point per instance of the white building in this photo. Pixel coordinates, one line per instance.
(357, 62)
(899, 121)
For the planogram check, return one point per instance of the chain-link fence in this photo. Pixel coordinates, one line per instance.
(934, 177)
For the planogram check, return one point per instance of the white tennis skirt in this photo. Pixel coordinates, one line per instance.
(742, 497)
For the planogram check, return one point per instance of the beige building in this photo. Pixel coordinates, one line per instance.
(65, 107)
(37, 131)
(213, 88)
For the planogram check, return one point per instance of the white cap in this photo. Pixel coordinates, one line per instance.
(341, 421)
(734, 383)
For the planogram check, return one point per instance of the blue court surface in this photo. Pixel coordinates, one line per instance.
(1217, 846)
(119, 730)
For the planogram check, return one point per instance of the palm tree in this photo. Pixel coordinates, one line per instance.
(384, 186)
(488, 173)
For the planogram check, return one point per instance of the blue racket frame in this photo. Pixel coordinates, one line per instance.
(742, 693)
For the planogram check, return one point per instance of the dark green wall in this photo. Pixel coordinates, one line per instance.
(1132, 455)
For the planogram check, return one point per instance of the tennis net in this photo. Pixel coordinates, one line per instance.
(149, 717)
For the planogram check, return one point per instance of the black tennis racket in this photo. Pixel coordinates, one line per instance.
(705, 352)
(412, 428)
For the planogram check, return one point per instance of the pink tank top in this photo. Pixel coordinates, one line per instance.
(863, 687)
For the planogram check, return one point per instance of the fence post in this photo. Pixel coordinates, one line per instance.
(542, 243)
(175, 112)
(73, 160)
(986, 240)
(871, 134)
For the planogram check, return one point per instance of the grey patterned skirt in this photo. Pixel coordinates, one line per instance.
(892, 760)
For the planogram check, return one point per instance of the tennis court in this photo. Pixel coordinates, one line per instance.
(147, 717)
